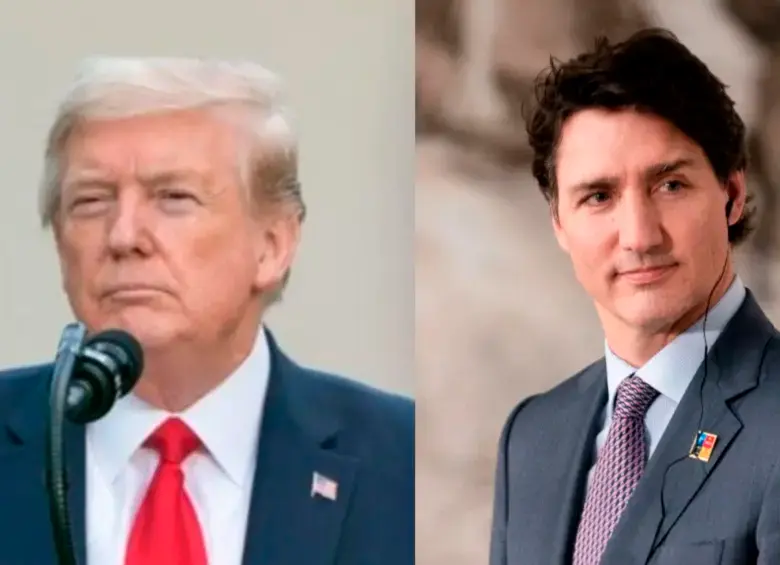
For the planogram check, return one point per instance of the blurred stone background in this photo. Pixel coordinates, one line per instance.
(499, 314)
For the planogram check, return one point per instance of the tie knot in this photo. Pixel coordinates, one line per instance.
(634, 396)
(174, 441)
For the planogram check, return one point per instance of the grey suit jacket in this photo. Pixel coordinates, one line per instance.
(683, 511)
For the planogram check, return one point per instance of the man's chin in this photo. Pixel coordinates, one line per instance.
(650, 311)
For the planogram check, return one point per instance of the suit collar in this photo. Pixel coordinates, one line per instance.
(672, 479)
(671, 370)
(300, 400)
(738, 353)
(227, 420)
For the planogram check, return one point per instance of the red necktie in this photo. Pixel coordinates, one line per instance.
(166, 529)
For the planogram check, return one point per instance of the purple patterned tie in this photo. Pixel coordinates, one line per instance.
(618, 468)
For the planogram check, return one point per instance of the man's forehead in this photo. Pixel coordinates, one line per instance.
(634, 164)
(89, 166)
(591, 148)
(90, 158)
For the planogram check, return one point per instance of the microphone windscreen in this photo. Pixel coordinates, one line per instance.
(133, 364)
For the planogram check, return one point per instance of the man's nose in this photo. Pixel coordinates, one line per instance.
(639, 224)
(127, 230)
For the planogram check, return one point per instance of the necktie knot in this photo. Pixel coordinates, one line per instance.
(166, 528)
(634, 396)
(174, 441)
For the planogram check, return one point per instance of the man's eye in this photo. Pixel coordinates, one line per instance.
(85, 200)
(177, 201)
(87, 203)
(175, 194)
(673, 185)
(599, 197)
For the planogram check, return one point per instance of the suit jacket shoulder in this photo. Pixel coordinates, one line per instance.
(376, 424)
(17, 381)
(21, 384)
(770, 362)
(545, 405)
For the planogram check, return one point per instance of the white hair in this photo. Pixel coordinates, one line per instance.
(116, 87)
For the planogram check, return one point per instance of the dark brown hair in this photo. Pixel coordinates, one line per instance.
(650, 72)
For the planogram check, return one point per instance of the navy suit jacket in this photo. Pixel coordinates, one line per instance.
(684, 511)
(313, 422)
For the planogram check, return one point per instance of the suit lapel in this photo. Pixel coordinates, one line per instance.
(577, 456)
(672, 479)
(287, 525)
(24, 466)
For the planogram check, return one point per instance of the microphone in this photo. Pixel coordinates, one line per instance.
(90, 375)
(105, 369)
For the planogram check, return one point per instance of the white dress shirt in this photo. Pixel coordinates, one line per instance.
(669, 371)
(218, 478)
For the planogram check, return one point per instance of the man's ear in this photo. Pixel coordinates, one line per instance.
(736, 192)
(276, 249)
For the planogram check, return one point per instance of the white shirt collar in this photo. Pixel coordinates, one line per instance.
(672, 369)
(227, 421)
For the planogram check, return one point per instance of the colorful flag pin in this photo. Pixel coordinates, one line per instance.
(324, 487)
(702, 446)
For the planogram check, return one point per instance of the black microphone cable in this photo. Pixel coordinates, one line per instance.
(71, 342)
(701, 400)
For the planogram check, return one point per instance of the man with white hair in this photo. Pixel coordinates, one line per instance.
(172, 192)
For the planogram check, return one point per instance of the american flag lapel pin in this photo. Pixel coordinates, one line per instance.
(324, 487)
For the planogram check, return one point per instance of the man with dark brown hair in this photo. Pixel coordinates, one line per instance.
(665, 450)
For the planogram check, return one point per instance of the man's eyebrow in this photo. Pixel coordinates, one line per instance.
(666, 167)
(96, 178)
(167, 176)
(650, 173)
(599, 183)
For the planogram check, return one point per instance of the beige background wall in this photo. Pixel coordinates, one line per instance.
(349, 68)
(499, 314)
